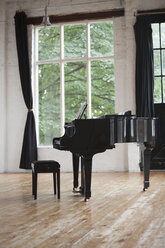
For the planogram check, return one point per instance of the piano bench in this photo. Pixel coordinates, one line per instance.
(45, 166)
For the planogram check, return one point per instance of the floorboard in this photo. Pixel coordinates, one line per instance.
(119, 214)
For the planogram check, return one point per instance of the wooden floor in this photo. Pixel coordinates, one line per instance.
(119, 213)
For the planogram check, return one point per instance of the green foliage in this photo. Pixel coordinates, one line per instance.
(75, 88)
(49, 43)
(75, 75)
(101, 39)
(157, 90)
(103, 95)
(49, 102)
(75, 41)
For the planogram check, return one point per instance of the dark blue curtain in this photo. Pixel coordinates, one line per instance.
(29, 147)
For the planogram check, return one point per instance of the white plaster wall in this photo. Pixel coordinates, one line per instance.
(12, 108)
(2, 89)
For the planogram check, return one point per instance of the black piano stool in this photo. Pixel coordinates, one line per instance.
(46, 166)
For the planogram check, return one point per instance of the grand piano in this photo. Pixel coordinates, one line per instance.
(86, 137)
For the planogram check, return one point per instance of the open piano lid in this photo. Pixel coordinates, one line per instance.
(81, 110)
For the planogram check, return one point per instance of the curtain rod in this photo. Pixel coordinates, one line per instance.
(149, 12)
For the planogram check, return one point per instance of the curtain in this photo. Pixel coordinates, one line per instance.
(29, 147)
(144, 78)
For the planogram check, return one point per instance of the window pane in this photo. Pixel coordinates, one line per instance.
(49, 103)
(155, 35)
(163, 35)
(103, 91)
(75, 41)
(101, 35)
(163, 62)
(49, 43)
(157, 70)
(157, 90)
(75, 88)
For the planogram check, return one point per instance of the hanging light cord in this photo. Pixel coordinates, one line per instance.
(46, 21)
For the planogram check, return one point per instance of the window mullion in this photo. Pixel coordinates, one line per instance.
(62, 89)
(36, 87)
(88, 72)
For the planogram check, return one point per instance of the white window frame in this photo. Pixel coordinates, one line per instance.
(88, 59)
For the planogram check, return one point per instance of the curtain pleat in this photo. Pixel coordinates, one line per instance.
(144, 63)
(144, 78)
(29, 147)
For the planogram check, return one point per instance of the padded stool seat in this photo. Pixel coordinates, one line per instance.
(45, 166)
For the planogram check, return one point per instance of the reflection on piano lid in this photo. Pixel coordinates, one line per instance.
(127, 113)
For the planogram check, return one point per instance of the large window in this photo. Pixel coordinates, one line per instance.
(73, 63)
(159, 61)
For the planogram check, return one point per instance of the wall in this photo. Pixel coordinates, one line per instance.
(2, 89)
(12, 108)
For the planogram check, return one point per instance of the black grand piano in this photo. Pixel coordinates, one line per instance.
(86, 137)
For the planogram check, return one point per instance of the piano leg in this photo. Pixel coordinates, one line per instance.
(82, 176)
(87, 170)
(75, 159)
(147, 161)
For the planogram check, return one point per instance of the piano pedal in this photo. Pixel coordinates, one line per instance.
(77, 190)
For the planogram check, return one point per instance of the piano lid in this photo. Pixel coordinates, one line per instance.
(81, 110)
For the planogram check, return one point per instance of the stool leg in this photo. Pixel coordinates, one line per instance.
(54, 182)
(35, 185)
(58, 183)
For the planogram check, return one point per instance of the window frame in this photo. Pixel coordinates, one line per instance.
(88, 59)
(161, 75)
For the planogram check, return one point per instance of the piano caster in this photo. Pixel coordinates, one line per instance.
(146, 185)
(145, 188)
(86, 199)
